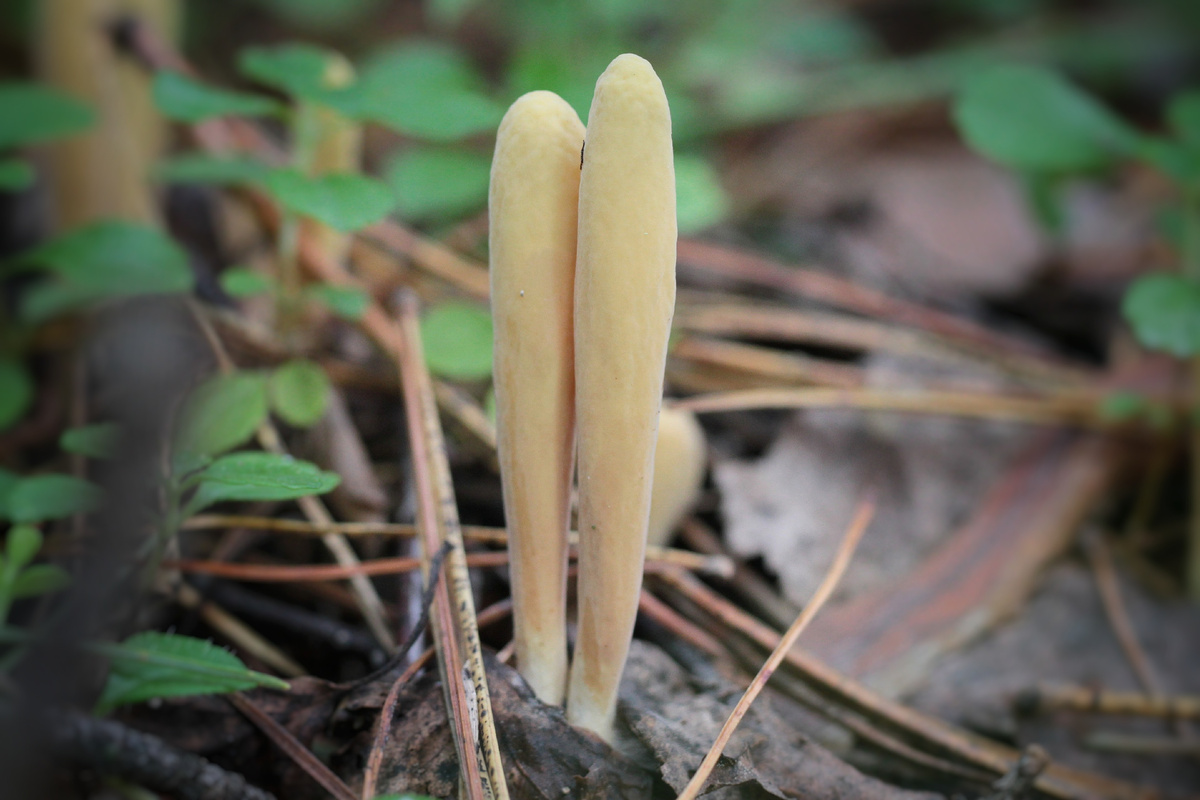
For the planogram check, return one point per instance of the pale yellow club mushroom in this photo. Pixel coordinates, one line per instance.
(679, 460)
(532, 208)
(624, 301)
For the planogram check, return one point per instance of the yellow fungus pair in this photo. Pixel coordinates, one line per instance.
(583, 291)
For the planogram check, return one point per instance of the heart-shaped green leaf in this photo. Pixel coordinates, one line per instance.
(220, 414)
(216, 170)
(701, 200)
(457, 338)
(348, 302)
(16, 391)
(421, 89)
(296, 69)
(1164, 311)
(43, 497)
(30, 113)
(245, 282)
(15, 174)
(94, 441)
(185, 99)
(344, 202)
(299, 392)
(1031, 118)
(104, 260)
(431, 183)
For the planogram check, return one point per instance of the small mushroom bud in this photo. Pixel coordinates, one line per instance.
(532, 204)
(679, 460)
(624, 301)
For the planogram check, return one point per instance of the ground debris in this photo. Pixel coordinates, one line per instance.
(544, 757)
(765, 758)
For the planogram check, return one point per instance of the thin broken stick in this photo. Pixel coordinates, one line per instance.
(858, 525)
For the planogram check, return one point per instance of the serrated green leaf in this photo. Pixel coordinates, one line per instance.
(1031, 118)
(1183, 115)
(214, 170)
(245, 282)
(348, 302)
(296, 69)
(457, 338)
(435, 183)
(16, 391)
(38, 580)
(15, 174)
(701, 201)
(186, 99)
(259, 476)
(299, 392)
(152, 665)
(101, 261)
(94, 441)
(22, 546)
(30, 113)
(220, 414)
(44, 497)
(1164, 312)
(420, 89)
(344, 202)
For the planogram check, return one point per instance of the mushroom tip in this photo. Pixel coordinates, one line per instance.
(629, 62)
(540, 110)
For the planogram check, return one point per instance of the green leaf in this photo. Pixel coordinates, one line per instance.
(345, 202)
(31, 113)
(215, 170)
(1178, 161)
(259, 476)
(1164, 312)
(321, 16)
(348, 302)
(15, 174)
(22, 546)
(245, 282)
(1122, 406)
(152, 665)
(101, 261)
(44, 497)
(421, 89)
(701, 202)
(220, 414)
(457, 338)
(1031, 118)
(38, 580)
(8, 482)
(16, 391)
(1183, 115)
(94, 441)
(299, 392)
(433, 183)
(298, 70)
(489, 404)
(185, 99)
